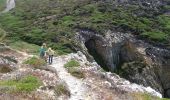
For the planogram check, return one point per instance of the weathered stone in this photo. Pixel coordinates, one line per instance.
(115, 49)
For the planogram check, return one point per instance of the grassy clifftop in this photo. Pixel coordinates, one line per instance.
(56, 21)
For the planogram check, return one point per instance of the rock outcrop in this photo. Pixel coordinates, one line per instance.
(112, 80)
(130, 57)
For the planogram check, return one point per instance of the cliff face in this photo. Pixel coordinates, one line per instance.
(127, 55)
(130, 57)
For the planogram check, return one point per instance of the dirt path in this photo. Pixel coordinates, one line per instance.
(10, 4)
(76, 86)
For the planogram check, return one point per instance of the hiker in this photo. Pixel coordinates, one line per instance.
(43, 51)
(50, 55)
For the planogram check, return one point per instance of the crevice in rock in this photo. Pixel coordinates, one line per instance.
(133, 59)
(93, 51)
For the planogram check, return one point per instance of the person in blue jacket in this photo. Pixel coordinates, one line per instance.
(43, 51)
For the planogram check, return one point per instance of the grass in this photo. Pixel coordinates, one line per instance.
(2, 5)
(26, 84)
(61, 89)
(24, 46)
(72, 63)
(2, 35)
(35, 62)
(76, 73)
(156, 36)
(32, 26)
(72, 67)
(145, 96)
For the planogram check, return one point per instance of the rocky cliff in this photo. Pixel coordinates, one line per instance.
(130, 57)
(128, 37)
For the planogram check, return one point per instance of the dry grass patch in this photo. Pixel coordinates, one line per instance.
(5, 69)
(61, 89)
(35, 62)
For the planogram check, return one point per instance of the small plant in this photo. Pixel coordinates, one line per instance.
(61, 89)
(35, 62)
(72, 63)
(5, 69)
(72, 68)
(146, 96)
(26, 84)
(76, 73)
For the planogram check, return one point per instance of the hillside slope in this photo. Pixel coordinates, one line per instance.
(129, 37)
(56, 22)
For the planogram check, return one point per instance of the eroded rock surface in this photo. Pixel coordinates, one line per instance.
(133, 59)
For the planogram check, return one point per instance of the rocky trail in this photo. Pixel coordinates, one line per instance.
(96, 85)
(76, 86)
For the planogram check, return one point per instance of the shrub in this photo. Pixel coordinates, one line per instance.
(5, 69)
(72, 63)
(72, 69)
(35, 62)
(76, 73)
(26, 84)
(2, 34)
(146, 96)
(156, 36)
(61, 89)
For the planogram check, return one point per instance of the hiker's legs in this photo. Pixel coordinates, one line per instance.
(51, 59)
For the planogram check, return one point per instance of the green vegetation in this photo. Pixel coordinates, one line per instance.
(26, 84)
(61, 89)
(2, 35)
(35, 62)
(76, 73)
(72, 67)
(126, 69)
(157, 36)
(72, 63)
(56, 22)
(2, 5)
(145, 96)
(24, 46)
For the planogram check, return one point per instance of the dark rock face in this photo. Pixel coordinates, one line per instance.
(7, 64)
(161, 57)
(133, 59)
